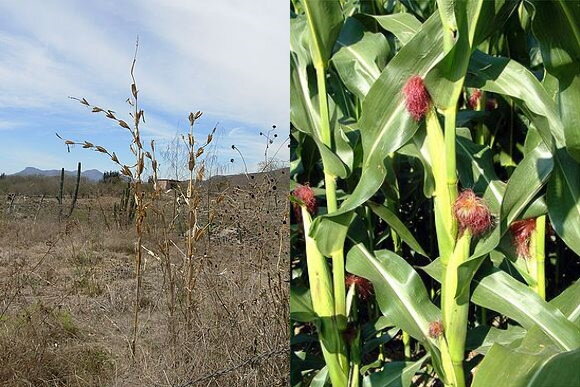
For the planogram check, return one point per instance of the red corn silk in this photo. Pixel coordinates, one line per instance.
(521, 231)
(417, 99)
(363, 286)
(474, 98)
(306, 195)
(435, 329)
(472, 213)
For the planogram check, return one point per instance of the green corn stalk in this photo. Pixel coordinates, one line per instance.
(320, 66)
(336, 315)
(331, 340)
(331, 203)
(454, 310)
(445, 223)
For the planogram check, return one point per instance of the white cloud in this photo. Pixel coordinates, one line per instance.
(228, 58)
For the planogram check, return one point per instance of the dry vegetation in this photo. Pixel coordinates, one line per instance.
(67, 291)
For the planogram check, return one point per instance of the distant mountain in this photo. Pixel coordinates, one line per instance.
(91, 174)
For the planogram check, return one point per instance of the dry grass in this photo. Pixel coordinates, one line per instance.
(67, 290)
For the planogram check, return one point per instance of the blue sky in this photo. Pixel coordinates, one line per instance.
(227, 58)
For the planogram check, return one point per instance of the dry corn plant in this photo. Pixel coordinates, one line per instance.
(163, 230)
(132, 170)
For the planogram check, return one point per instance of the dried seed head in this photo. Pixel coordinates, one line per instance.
(472, 213)
(123, 124)
(363, 286)
(435, 329)
(475, 98)
(417, 97)
(521, 231)
(305, 194)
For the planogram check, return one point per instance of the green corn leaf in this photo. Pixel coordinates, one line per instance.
(402, 25)
(496, 290)
(301, 305)
(492, 16)
(546, 367)
(445, 80)
(324, 22)
(360, 58)
(320, 379)
(396, 224)
(344, 148)
(304, 113)
(483, 337)
(330, 235)
(499, 291)
(394, 374)
(525, 182)
(400, 293)
(537, 207)
(569, 303)
(555, 25)
(563, 198)
(507, 77)
(535, 361)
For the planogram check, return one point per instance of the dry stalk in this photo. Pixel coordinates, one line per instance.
(133, 172)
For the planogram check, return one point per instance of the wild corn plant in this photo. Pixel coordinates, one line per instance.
(438, 135)
(134, 172)
(148, 199)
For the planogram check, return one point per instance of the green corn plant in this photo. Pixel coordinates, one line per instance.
(435, 134)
